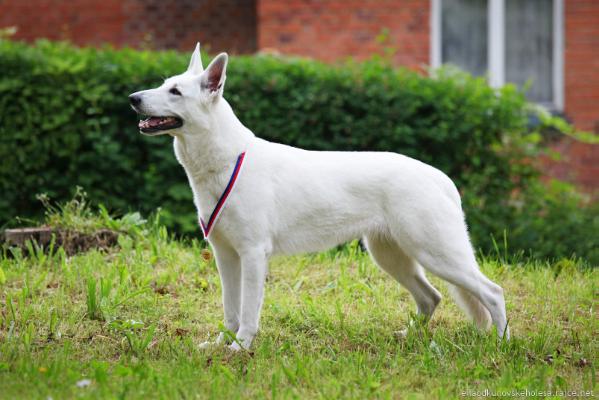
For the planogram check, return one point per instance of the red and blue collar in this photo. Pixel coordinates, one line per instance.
(207, 227)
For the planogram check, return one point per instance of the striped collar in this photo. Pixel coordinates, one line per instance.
(207, 227)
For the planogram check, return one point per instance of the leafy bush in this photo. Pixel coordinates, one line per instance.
(549, 221)
(78, 215)
(65, 121)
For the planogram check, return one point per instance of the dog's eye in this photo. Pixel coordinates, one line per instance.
(175, 91)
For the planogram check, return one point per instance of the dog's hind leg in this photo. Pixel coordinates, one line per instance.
(448, 254)
(474, 292)
(405, 270)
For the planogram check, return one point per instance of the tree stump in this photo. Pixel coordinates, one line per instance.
(18, 237)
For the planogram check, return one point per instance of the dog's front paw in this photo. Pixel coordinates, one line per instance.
(235, 347)
(238, 346)
(207, 345)
(241, 343)
(221, 340)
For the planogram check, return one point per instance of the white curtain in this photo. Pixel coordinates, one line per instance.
(529, 46)
(464, 34)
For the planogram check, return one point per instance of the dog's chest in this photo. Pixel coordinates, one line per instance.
(209, 196)
(208, 187)
(214, 213)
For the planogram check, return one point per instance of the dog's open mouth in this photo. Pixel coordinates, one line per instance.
(155, 124)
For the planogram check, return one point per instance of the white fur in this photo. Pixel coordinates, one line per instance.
(288, 200)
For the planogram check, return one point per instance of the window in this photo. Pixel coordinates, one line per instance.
(464, 35)
(508, 40)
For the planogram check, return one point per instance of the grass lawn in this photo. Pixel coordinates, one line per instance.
(127, 324)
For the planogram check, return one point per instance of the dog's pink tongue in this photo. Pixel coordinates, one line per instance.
(154, 121)
(150, 122)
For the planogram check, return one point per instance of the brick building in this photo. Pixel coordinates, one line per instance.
(551, 45)
(164, 24)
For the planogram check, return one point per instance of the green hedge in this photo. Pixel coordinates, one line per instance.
(65, 121)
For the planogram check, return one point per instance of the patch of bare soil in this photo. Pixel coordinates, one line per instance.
(71, 241)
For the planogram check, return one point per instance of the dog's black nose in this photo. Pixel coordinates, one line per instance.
(135, 99)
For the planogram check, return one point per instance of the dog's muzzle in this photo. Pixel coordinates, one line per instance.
(153, 124)
(135, 99)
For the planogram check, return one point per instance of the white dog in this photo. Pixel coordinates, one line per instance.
(288, 200)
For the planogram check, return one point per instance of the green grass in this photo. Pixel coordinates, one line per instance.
(130, 321)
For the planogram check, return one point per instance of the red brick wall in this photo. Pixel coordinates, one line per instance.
(85, 22)
(334, 29)
(582, 62)
(162, 24)
(221, 25)
(580, 162)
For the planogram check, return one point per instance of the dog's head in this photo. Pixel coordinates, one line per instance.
(186, 99)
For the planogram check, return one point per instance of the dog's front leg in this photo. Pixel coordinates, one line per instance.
(229, 269)
(253, 274)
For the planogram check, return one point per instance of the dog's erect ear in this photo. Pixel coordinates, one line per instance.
(195, 65)
(213, 79)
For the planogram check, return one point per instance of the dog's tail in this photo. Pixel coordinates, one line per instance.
(471, 306)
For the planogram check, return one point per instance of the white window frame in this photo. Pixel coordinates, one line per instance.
(496, 47)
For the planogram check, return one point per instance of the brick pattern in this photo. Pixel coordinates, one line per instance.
(580, 162)
(334, 29)
(221, 25)
(582, 62)
(81, 21)
(159, 24)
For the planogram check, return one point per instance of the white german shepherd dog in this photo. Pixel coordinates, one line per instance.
(288, 200)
